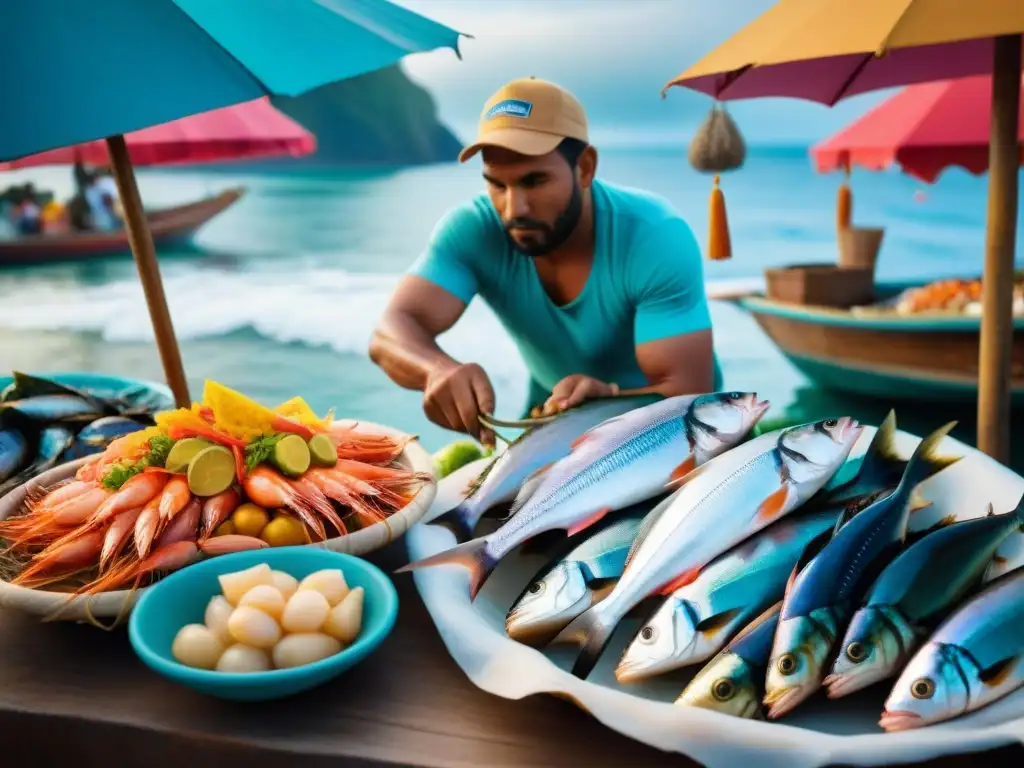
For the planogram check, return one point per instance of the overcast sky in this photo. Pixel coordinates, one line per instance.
(615, 56)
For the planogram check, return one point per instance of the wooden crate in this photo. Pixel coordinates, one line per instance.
(823, 285)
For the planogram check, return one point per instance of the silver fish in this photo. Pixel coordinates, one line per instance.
(826, 592)
(974, 658)
(698, 619)
(719, 505)
(532, 452)
(53, 408)
(620, 462)
(733, 681)
(912, 595)
(570, 584)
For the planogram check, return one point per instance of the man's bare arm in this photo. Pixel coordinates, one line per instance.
(404, 344)
(678, 365)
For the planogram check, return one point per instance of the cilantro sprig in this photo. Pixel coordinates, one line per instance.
(260, 449)
(123, 471)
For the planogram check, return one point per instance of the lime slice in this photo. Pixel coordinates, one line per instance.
(211, 471)
(322, 451)
(291, 455)
(182, 453)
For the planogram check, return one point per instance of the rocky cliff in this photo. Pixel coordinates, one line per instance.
(380, 119)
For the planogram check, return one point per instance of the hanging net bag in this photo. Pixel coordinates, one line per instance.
(717, 147)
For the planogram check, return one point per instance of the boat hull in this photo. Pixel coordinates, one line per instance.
(933, 358)
(169, 226)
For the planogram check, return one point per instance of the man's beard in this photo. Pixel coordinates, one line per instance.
(551, 236)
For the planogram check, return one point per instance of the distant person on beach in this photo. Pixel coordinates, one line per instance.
(600, 286)
(101, 197)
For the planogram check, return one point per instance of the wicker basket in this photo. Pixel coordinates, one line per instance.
(118, 604)
(823, 285)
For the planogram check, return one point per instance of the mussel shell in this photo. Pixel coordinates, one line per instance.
(52, 409)
(97, 435)
(14, 452)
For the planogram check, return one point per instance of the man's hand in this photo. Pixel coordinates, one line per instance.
(456, 395)
(573, 390)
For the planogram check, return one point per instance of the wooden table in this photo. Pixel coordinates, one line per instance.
(76, 696)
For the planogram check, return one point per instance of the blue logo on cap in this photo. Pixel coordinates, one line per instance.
(510, 108)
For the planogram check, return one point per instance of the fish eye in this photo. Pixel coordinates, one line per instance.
(723, 689)
(856, 652)
(922, 688)
(536, 588)
(734, 395)
(831, 423)
(787, 664)
(648, 633)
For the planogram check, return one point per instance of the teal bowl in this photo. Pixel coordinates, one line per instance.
(182, 597)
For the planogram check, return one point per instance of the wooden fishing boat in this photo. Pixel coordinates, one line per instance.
(170, 226)
(920, 357)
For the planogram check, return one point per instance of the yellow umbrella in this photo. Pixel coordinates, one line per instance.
(828, 50)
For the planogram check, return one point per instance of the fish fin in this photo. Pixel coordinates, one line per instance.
(774, 506)
(919, 502)
(455, 521)
(593, 431)
(712, 625)
(601, 588)
(686, 467)
(590, 633)
(586, 522)
(926, 461)
(645, 528)
(814, 546)
(998, 672)
(472, 555)
(999, 560)
(991, 510)
(687, 577)
(882, 463)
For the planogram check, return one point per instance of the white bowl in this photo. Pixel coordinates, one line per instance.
(118, 603)
(819, 732)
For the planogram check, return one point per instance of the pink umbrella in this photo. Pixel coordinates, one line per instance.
(924, 129)
(249, 130)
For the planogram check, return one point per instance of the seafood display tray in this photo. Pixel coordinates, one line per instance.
(819, 732)
(117, 604)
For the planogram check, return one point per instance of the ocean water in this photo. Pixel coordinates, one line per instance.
(279, 295)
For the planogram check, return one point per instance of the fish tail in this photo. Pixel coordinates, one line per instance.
(456, 521)
(472, 555)
(926, 460)
(589, 631)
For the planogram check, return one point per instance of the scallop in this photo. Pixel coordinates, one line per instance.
(218, 611)
(236, 584)
(243, 658)
(329, 582)
(346, 619)
(286, 583)
(197, 646)
(305, 611)
(304, 648)
(252, 626)
(265, 597)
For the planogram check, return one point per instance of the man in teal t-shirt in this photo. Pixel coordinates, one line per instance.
(600, 286)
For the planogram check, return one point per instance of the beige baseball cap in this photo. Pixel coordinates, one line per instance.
(529, 116)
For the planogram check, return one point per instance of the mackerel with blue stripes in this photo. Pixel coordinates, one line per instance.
(622, 461)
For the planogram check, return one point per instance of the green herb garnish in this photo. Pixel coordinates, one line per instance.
(123, 471)
(260, 449)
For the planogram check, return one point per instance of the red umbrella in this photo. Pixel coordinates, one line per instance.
(924, 129)
(249, 130)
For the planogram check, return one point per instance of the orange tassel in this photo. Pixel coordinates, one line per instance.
(719, 244)
(844, 204)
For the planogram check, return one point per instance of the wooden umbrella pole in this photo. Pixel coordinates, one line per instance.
(141, 240)
(997, 283)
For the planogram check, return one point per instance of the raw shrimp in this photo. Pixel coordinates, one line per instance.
(40, 499)
(336, 486)
(374, 473)
(76, 555)
(147, 526)
(269, 489)
(183, 527)
(216, 510)
(47, 524)
(118, 532)
(136, 492)
(308, 486)
(231, 542)
(174, 497)
(129, 568)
